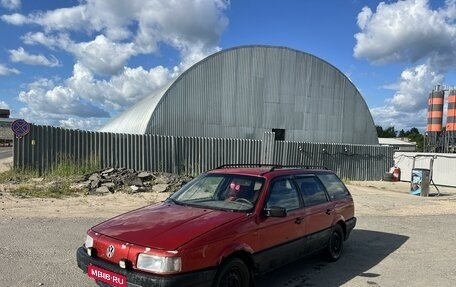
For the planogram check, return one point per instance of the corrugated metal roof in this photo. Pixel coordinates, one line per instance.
(245, 91)
(394, 141)
(135, 119)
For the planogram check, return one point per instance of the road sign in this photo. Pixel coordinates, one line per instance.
(20, 128)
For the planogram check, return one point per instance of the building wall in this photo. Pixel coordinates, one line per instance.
(244, 92)
(6, 134)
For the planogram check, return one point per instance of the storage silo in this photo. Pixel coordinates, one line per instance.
(434, 119)
(451, 122)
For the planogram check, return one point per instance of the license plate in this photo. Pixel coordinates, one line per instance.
(106, 276)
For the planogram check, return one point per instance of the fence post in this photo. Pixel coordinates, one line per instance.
(267, 148)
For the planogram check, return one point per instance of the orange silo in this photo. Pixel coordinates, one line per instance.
(435, 111)
(451, 115)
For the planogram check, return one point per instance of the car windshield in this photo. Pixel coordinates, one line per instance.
(220, 191)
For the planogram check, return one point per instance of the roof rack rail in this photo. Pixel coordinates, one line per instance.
(245, 165)
(305, 166)
(272, 166)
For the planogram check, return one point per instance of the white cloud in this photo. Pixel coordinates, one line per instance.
(127, 28)
(407, 107)
(415, 84)
(81, 123)
(4, 70)
(15, 19)
(103, 37)
(44, 98)
(4, 105)
(39, 38)
(388, 116)
(11, 4)
(408, 31)
(83, 100)
(121, 91)
(21, 56)
(102, 55)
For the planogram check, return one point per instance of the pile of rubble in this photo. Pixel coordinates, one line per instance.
(120, 179)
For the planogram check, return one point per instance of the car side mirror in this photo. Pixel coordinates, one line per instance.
(275, 211)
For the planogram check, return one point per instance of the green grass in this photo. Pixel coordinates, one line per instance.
(54, 184)
(346, 181)
(67, 167)
(45, 190)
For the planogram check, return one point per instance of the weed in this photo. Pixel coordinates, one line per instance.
(54, 184)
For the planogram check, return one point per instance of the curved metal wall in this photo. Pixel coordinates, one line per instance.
(135, 119)
(245, 91)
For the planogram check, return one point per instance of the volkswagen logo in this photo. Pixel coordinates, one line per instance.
(110, 251)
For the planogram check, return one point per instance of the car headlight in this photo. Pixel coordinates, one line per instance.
(89, 242)
(158, 264)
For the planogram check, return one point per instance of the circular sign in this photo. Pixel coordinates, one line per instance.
(20, 128)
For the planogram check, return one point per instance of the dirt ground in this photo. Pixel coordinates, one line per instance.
(393, 199)
(396, 201)
(400, 239)
(6, 164)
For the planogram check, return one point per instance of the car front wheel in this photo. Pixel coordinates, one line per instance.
(233, 273)
(336, 243)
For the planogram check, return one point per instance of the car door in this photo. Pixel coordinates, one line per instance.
(280, 237)
(318, 211)
(339, 194)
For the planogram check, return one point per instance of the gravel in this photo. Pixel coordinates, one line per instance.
(400, 240)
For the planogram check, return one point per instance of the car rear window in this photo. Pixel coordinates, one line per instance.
(336, 189)
(312, 190)
(283, 194)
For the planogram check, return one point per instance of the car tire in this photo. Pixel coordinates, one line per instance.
(233, 273)
(335, 243)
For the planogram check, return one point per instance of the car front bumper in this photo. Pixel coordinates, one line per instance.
(142, 279)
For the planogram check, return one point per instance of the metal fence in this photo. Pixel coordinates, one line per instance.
(442, 166)
(45, 147)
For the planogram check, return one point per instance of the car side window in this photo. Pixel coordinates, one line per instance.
(336, 189)
(312, 190)
(283, 194)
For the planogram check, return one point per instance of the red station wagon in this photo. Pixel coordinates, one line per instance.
(223, 228)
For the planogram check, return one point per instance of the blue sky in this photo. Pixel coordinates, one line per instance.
(76, 64)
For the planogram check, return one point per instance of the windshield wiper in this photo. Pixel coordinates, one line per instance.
(169, 199)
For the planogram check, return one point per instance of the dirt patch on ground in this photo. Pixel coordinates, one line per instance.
(394, 199)
(78, 206)
(6, 164)
(391, 198)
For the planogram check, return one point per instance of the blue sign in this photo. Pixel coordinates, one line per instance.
(20, 128)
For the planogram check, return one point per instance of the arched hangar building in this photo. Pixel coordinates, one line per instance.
(245, 91)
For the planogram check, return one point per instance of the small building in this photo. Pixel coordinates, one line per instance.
(6, 134)
(399, 144)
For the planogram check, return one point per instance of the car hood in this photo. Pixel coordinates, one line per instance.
(164, 225)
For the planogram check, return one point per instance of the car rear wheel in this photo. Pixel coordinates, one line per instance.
(336, 243)
(233, 273)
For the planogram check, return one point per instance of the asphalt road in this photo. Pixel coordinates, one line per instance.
(6, 152)
(411, 250)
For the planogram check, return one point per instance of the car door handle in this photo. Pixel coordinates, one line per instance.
(328, 211)
(299, 220)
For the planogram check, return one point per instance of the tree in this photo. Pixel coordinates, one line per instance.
(388, 133)
(413, 135)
